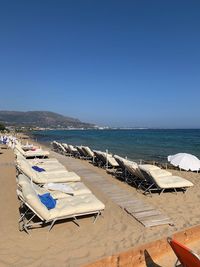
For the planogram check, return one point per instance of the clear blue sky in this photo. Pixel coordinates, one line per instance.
(117, 63)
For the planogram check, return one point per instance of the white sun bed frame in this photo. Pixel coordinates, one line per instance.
(29, 224)
(159, 186)
(31, 154)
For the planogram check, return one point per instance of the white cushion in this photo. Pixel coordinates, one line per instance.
(172, 182)
(159, 173)
(76, 205)
(45, 177)
(32, 199)
(89, 151)
(64, 207)
(79, 188)
(112, 161)
(148, 167)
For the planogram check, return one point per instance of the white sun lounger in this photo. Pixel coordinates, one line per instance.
(37, 160)
(111, 162)
(106, 160)
(46, 177)
(55, 146)
(46, 165)
(49, 166)
(43, 161)
(135, 175)
(62, 149)
(81, 152)
(67, 151)
(65, 208)
(162, 181)
(73, 150)
(76, 188)
(89, 153)
(31, 154)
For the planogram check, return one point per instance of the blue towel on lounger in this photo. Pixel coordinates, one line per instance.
(38, 169)
(47, 200)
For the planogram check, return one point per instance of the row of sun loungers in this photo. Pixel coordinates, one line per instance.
(149, 178)
(99, 158)
(83, 152)
(40, 176)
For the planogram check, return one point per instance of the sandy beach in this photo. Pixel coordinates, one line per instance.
(69, 245)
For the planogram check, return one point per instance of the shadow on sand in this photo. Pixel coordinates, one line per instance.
(148, 260)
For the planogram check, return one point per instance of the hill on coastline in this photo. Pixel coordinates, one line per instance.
(44, 119)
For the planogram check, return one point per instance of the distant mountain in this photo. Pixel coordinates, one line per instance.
(44, 119)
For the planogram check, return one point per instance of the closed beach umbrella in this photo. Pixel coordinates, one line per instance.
(185, 161)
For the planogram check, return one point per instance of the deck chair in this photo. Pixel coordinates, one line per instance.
(120, 161)
(61, 149)
(29, 147)
(31, 154)
(48, 166)
(105, 160)
(46, 177)
(134, 174)
(162, 180)
(111, 162)
(73, 150)
(55, 146)
(88, 152)
(81, 152)
(49, 161)
(73, 188)
(100, 160)
(67, 208)
(185, 256)
(121, 171)
(66, 147)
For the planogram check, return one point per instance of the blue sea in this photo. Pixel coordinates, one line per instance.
(137, 144)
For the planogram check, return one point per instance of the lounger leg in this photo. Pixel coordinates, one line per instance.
(175, 191)
(140, 184)
(51, 225)
(135, 182)
(128, 180)
(30, 219)
(148, 190)
(26, 225)
(125, 173)
(177, 263)
(26, 229)
(76, 221)
(161, 191)
(22, 215)
(96, 216)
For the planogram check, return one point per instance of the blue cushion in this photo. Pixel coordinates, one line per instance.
(5, 141)
(38, 169)
(47, 200)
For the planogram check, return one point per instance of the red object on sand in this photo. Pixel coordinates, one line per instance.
(186, 256)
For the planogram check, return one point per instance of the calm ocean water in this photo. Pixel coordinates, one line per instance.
(135, 144)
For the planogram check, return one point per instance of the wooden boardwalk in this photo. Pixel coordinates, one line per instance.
(143, 212)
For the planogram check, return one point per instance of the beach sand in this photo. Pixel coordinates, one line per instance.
(69, 245)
